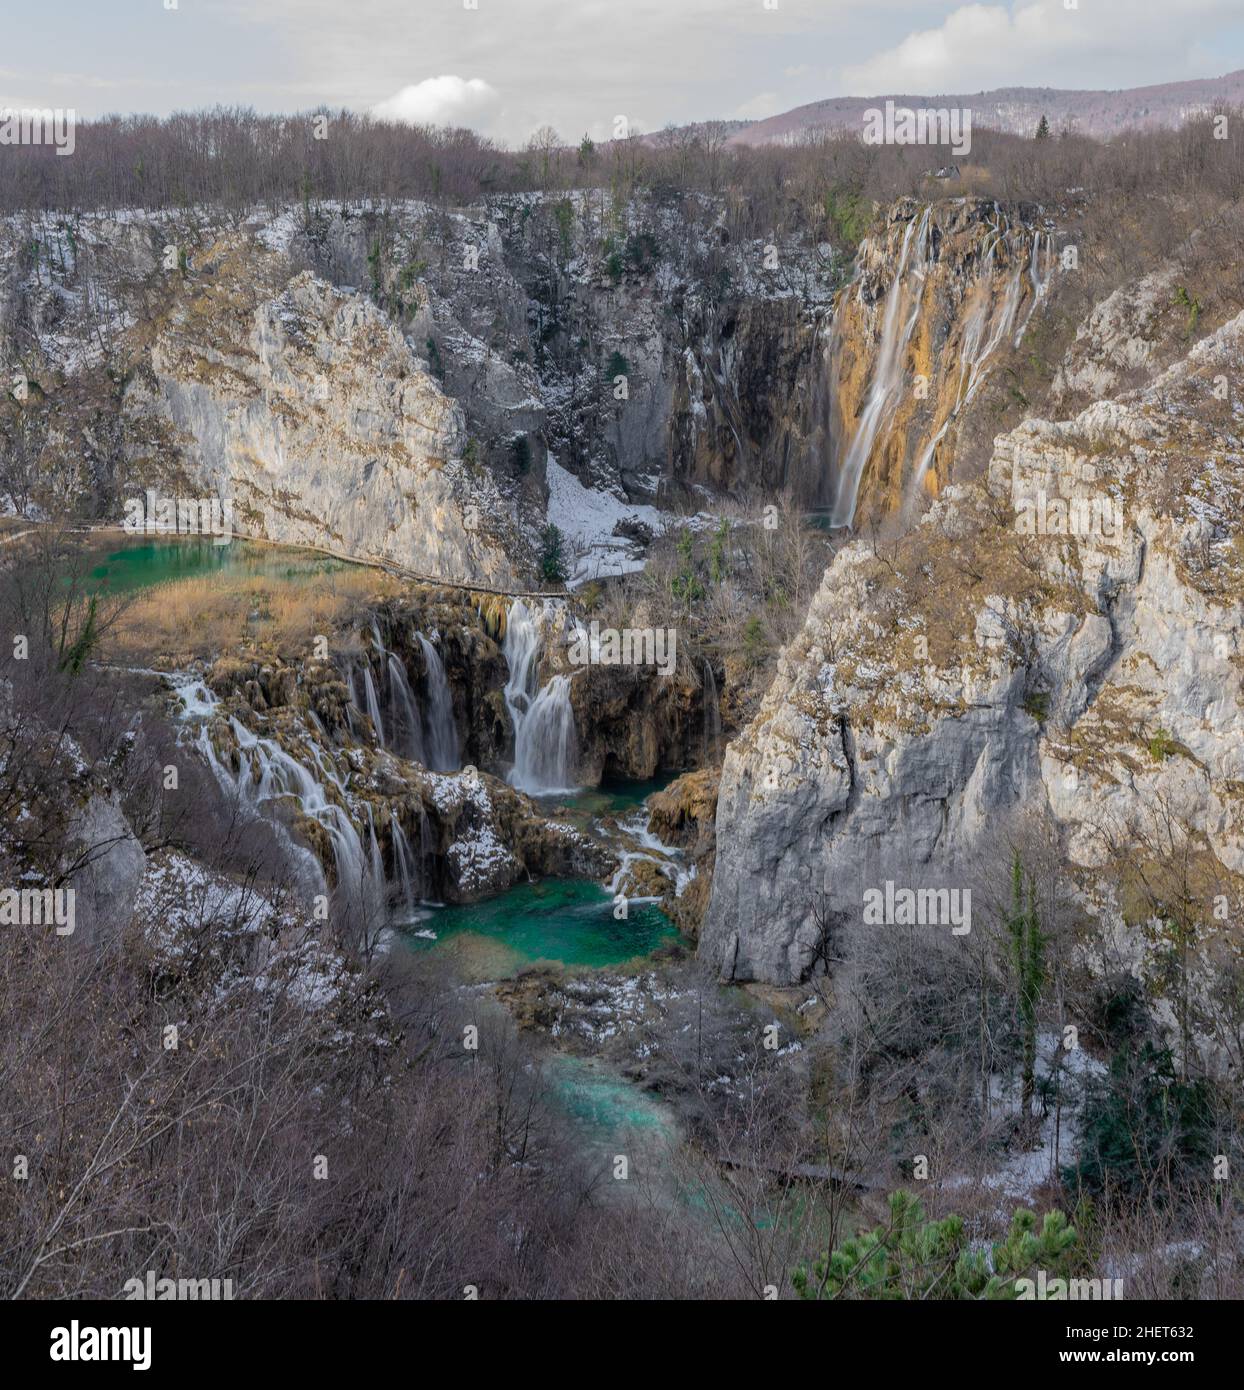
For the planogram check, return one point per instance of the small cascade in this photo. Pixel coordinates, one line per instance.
(712, 717)
(544, 733)
(267, 775)
(404, 714)
(409, 875)
(373, 704)
(443, 752)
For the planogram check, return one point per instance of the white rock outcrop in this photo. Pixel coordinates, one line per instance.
(1063, 636)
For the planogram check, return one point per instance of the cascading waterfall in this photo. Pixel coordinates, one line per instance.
(373, 704)
(374, 890)
(281, 776)
(1040, 278)
(887, 375)
(443, 754)
(268, 775)
(427, 735)
(544, 733)
(712, 717)
(408, 731)
(975, 359)
(409, 876)
(989, 320)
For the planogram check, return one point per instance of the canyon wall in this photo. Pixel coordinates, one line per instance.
(1060, 639)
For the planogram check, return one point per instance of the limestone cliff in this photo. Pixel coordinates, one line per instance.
(1062, 636)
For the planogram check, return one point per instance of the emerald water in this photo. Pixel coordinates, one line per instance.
(561, 921)
(602, 1106)
(614, 797)
(141, 563)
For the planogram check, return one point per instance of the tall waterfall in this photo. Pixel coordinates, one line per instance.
(443, 753)
(990, 322)
(888, 373)
(946, 316)
(544, 733)
(409, 873)
(712, 717)
(373, 704)
(409, 728)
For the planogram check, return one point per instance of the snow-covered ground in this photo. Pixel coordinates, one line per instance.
(586, 518)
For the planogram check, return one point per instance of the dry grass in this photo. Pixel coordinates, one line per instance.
(211, 615)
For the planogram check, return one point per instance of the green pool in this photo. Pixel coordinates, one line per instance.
(140, 564)
(563, 921)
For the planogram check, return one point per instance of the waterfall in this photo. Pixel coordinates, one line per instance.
(267, 776)
(373, 704)
(887, 374)
(988, 319)
(998, 317)
(428, 736)
(1040, 279)
(409, 876)
(281, 776)
(544, 735)
(712, 717)
(404, 713)
(443, 753)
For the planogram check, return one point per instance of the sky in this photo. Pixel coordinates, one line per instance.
(506, 67)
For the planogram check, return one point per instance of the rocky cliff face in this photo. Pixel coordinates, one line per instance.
(1061, 638)
(311, 412)
(391, 381)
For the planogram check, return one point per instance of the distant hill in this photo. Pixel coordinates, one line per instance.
(1018, 109)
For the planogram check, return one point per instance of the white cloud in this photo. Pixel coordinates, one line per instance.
(448, 100)
(1109, 43)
